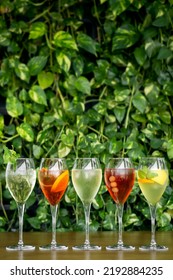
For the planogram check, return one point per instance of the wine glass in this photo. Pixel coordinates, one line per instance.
(86, 178)
(152, 179)
(53, 177)
(20, 179)
(119, 177)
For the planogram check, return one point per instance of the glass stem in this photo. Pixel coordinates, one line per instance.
(87, 218)
(21, 207)
(153, 228)
(120, 208)
(54, 209)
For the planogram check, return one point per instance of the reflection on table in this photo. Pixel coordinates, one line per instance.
(74, 238)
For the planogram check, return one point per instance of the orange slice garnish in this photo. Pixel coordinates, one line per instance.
(145, 181)
(61, 182)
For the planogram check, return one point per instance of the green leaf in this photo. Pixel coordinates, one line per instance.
(120, 113)
(68, 138)
(9, 155)
(38, 95)
(146, 173)
(140, 102)
(151, 47)
(33, 119)
(2, 222)
(164, 219)
(165, 116)
(168, 85)
(139, 117)
(36, 64)
(149, 32)
(23, 95)
(17, 144)
(5, 38)
(140, 56)
(45, 79)
(119, 6)
(121, 94)
(130, 219)
(102, 71)
(82, 84)
(97, 147)
(63, 61)
(44, 135)
(18, 27)
(63, 150)
(10, 129)
(25, 131)
(125, 37)
(152, 91)
(37, 151)
(115, 146)
(164, 53)
(78, 66)
(170, 149)
(22, 72)
(63, 39)
(156, 143)
(34, 222)
(1, 122)
(141, 174)
(87, 43)
(37, 29)
(14, 106)
(161, 21)
(101, 107)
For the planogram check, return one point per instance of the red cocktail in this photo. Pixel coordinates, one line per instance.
(119, 183)
(119, 178)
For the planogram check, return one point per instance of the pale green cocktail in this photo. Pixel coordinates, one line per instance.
(86, 183)
(20, 185)
(86, 178)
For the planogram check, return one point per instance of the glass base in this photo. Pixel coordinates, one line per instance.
(20, 248)
(88, 247)
(122, 247)
(153, 248)
(50, 247)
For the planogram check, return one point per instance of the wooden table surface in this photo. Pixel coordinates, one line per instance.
(75, 238)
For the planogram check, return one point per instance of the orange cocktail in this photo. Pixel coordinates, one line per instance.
(53, 184)
(53, 177)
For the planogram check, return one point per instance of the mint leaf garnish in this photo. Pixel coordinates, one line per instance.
(146, 173)
(151, 174)
(141, 174)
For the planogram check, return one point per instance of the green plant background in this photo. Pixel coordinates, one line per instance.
(86, 78)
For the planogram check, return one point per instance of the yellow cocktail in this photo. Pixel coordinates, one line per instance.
(154, 188)
(152, 179)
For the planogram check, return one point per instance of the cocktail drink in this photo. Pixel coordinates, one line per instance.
(20, 179)
(152, 180)
(154, 187)
(86, 178)
(119, 177)
(53, 178)
(86, 183)
(53, 184)
(119, 183)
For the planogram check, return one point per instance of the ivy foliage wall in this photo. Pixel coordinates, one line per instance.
(86, 78)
